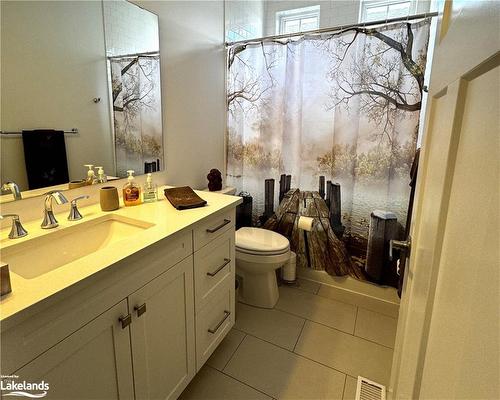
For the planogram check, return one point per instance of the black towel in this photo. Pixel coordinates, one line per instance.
(45, 158)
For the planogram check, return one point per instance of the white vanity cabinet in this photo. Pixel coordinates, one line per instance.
(140, 331)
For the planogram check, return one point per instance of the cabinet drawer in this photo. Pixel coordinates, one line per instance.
(213, 323)
(212, 228)
(213, 267)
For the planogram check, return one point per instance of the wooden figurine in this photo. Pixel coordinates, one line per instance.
(214, 180)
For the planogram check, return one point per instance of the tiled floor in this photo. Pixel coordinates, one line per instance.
(309, 347)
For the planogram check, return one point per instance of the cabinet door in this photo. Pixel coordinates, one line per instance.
(92, 363)
(162, 333)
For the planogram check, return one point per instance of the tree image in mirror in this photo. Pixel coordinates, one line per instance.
(137, 116)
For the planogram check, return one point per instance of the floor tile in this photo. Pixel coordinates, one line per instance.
(274, 326)
(212, 384)
(305, 285)
(226, 349)
(350, 388)
(376, 327)
(282, 374)
(347, 353)
(333, 313)
(384, 307)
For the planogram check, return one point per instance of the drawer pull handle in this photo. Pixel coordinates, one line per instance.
(126, 320)
(140, 309)
(226, 315)
(212, 230)
(226, 261)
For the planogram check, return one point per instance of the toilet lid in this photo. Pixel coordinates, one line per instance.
(260, 240)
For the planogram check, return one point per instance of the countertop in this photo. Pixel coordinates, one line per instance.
(167, 222)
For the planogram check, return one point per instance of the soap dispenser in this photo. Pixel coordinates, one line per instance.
(101, 176)
(91, 179)
(149, 193)
(131, 191)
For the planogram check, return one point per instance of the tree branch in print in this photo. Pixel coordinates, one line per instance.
(246, 91)
(383, 89)
(134, 90)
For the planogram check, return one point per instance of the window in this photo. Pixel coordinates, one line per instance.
(374, 10)
(297, 20)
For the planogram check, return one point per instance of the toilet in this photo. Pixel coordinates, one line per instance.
(259, 253)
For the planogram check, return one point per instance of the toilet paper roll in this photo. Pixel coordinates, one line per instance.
(306, 223)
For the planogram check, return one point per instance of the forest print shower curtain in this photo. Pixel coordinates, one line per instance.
(137, 120)
(345, 105)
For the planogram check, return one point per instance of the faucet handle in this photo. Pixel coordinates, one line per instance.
(17, 230)
(74, 213)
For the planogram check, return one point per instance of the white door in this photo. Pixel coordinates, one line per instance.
(162, 333)
(448, 331)
(92, 363)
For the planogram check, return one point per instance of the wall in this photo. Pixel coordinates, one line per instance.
(193, 74)
(332, 13)
(129, 29)
(242, 18)
(51, 83)
(193, 92)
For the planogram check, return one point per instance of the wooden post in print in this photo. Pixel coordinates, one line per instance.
(383, 228)
(328, 193)
(322, 186)
(268, 199)
(323, 251)
(282, 187)
(335, 210)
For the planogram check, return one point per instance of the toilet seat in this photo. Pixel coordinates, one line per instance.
(258, 241)
(259, 253)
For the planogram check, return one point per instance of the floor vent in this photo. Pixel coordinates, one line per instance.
(369, 390)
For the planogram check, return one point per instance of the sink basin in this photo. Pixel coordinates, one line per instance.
(35, 257)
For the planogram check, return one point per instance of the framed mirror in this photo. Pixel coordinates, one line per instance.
(81, 85)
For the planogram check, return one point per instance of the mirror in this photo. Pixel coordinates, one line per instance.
(80, 85)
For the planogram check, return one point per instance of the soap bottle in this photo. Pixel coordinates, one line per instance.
(101, 176)
(91, 179)
(149, 193)
(131, 191)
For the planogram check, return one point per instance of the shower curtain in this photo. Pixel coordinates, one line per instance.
(344, 105)
(136, 91)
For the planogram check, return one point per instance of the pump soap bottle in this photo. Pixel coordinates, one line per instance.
(101, 176)
(91, 179)
(149, 193)
(131, 191)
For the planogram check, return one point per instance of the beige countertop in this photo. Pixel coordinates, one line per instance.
(167, 222)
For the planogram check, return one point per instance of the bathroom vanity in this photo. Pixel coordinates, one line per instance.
(127, 304)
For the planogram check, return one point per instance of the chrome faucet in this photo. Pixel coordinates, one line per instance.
(13, 188)
(49, 220)
(17, 230)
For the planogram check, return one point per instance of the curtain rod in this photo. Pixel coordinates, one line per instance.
(334, 28)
